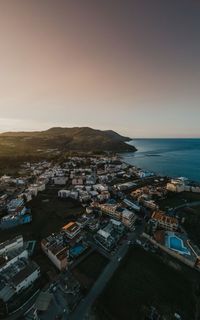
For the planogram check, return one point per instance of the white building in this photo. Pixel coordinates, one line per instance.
(14, 204)
(25, 277)
(60, 180)
(181, 185)
(11, 245)
(17, 277)
(74, 195)
(83, 221)
(105, 239)
(71, 230)
(64, 193)
(12, 257)
(105, 195)
(195, 189)
(151, 204)
(100, 187)
(176, 186)
(33, 190)
(41, 186)
(132, 205)
(56, 251)
(27, 195)
(145, 174)
(128, 218)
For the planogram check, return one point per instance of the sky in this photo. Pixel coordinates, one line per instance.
(128, 65)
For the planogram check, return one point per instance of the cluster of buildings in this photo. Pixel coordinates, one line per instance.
(56, 250)
(17, 271)
(86, 193)
(109, 235)
(161, 220)
(90, 179)
(17, 214)
(15, 193)
(140, 173)
(105, 220)
(62, 247)
(147, 196)
(105, 224)
(182, 184)
(113, 198)
(118, 212)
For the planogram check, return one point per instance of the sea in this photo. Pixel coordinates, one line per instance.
(167, 157)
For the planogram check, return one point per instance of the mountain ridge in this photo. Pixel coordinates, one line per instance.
(66, 139)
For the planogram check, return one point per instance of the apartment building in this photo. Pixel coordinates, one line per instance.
(176, 186)
(56, 251)
(11, 257)
(72, 229)
(132, 204)
(11, 244)
(128, 218)
(14, 204)
(17, 277)
(25, 277)
(164, 221)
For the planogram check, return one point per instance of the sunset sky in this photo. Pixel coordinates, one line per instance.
(131, 66)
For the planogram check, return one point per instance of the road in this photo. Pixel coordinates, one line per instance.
(104, 253)
(84, 306)
(59, 304)
(23, 309)
(57, 307)
(187, 204)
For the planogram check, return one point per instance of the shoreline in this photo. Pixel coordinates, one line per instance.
(166, 159)
(156, 174)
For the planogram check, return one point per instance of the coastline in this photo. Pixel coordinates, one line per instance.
(157, 174)
(166, 157)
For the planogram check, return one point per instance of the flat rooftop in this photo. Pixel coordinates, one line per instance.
(71, 227)
(161, 216)
(24, 273)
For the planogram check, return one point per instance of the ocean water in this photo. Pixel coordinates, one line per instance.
(171, 157)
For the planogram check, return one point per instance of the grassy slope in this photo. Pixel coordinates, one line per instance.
(144, 280)
(192, 223)
(65, 139)
(177, 199)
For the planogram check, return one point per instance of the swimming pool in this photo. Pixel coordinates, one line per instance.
(76, 250)
(175, 243)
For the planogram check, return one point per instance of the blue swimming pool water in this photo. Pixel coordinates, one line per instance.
(177, 244)
(75, 251)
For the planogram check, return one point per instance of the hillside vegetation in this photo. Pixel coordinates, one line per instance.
(62, 139)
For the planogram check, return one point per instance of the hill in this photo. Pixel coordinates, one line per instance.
(63, 139)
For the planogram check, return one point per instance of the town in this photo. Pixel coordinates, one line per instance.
(66, 227)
